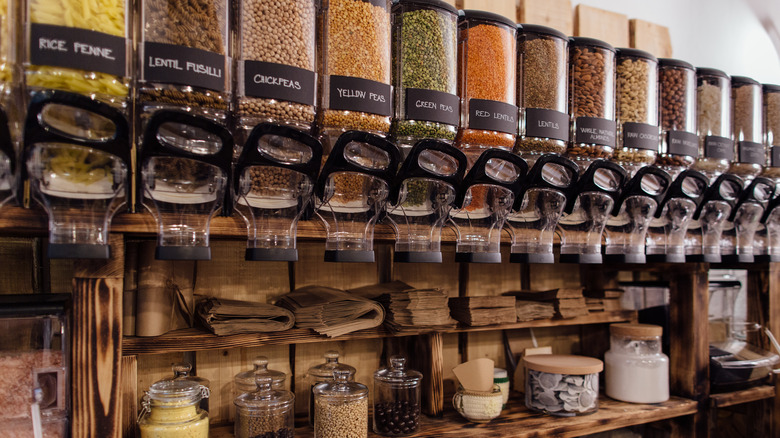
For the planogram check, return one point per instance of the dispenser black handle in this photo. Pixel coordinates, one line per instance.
(676, 190)
(634, 187)
(478, 173)
(714, 192)
(587, 183)
(337, 162)
(769, 207)
(749, 194)
(536, 180)
(411, 166)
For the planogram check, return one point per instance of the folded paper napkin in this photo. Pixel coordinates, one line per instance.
(332, 312)
(228, 317)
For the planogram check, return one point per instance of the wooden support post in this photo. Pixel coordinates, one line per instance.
(773, 323)
(129, 395)
(97, 344)
(431, 348)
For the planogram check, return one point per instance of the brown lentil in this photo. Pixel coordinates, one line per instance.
(341, 420)
(274, 181)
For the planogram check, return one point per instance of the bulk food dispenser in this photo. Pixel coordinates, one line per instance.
(273, 182)
(77, 155)
(739, 232)
(421, 199)
(679, 141)
(184, 175)
(704, 233)
(351, 193)
(7, 162)
(748, 129)
(767, 234)
(11, 106)
(538, 207)
(713, 106)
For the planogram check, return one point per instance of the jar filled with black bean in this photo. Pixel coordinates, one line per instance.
(747, 128)
(679, 142)
(713, 108)
(396, 399)
(772, 130)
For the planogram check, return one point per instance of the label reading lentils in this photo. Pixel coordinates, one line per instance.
(683, 143)
(432, 106)
(721, 148)
(775, 156)
(356, 94)
(269, 80)
(545, 123)
(170, 63)
(80, 49)
(641, 136)
(492, 115)
(751, 152)
(594, 130)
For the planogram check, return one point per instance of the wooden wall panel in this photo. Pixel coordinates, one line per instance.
(493, 279)
(18, 267)
(311, 269)
(551, 13)
(601, 24)
(650, 37)
(507, 8)
(423, 275)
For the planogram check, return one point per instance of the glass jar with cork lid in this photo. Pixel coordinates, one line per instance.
(324, 373)
(772, 131)
(396, 399)
(562, 385)
(170, 410)
(636, 369)
(340, 407)
(265, 412)
(677, 94)
(748, 128)
(713, 108)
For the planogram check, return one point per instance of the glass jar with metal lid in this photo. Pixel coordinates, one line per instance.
(340, 408)
(636, 369)
(677, 99)
(170, 410)
(396, 399)
(183, 371)
(772, 130)
(713, 108)
(246, 380)
(265, 412)
(561, 384)
(748, 128)
(324, 373)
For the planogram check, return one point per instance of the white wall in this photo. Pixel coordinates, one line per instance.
(730, 35)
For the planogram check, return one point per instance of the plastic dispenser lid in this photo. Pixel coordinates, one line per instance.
(670, 62)
(247, 379)
(340, 388)
(264, 397)
(636, 331)
(542, 30)
(771, 87)
(704, 71)
(431, 3)
(563, 364)
(325, 370)
(593, 42)
(469, 14)
(743, 80)
(623, 52)
(397, 374)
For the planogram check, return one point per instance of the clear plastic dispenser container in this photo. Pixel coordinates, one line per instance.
(713, 108)
(588, 208)
(740, 230)
(542, 91)
(748, 128)
(77, 156)
(273, 185)
(354, 65)
(421, 200)
(562, 385)
(772, 131)
(246, 380)
(182, 63)
(704, 233)
(171, 409)
(351, 193)
(397, 399)
(425, 72)
(35, 359)
(677, 101)
(324, 373)
(636, 370)
(638, 135)
(627, 229)
(183, 371)
(591, 100)
(483, 203)
(538, 207)
(673, 216)
(8, 166)
(737, 365)
(768, 234)
(340, 407)
(265, 412)
(184, 176)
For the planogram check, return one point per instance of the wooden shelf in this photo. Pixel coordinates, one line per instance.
(744, 396)
(196, 340)
(518, 422)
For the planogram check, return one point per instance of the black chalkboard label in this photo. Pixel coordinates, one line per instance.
(269, 80)
(683, 143)
(492, 115)
(357, 94)
(593, 130)
(751, 152)
(720, 148)
(173, 64)
(775, 156)
(641, 136)
(81, 49)
(432, 106)
(545, 123)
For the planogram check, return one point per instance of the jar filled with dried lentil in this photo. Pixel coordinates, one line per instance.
(425, 72)
(542, 90)
(487, 86)
(747, 127)
(638, 136)
(354, 68)
(340, 408)
(772, 130)
(713, 107)
(182, 57)
(591, 100)
(265, 412)
(679, 142)
(275, 64)
(324, 373)
(183, 371)
(170, 410)
(396, 399)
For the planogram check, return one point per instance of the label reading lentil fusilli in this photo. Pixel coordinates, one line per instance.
(71, 47)
(176, 64)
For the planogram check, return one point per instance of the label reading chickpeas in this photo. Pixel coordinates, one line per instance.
(71, 47)
(175, 64)
(349, 93)
(683, 143)
(720, 148)
(750, 152)
(545, 123)
(269, 80)
(432, 106)
(641, 136)
(492, 115)
(593, 130)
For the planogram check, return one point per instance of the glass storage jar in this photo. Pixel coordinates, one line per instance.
(425, 72)
(265, 412)
(677, 99)
(170, 410)
(772, 131)
(748, 128)
(340, 408)
(713, 108)
(562, 385)
(542, 91)
(324, 373)
(246, 380)
(636, 369)
(183, 371)
(396, 399)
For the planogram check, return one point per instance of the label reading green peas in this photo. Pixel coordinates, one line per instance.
(432, 106)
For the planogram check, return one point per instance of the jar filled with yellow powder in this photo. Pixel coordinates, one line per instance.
(170, 410)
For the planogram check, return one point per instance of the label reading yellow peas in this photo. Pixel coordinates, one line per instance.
(71, 47)
(357, 94)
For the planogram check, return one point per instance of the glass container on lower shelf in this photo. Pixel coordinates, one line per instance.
(324, 373)
(478, 406)
(703, 238)
(396, 399)
(170, 409)
(738, 239)
(679, 139)
(183, 371)
(748, 128)
(340, 408)
(246, 380)
(562, 385)
(636, 370)
(713, 108)
(265, 412)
